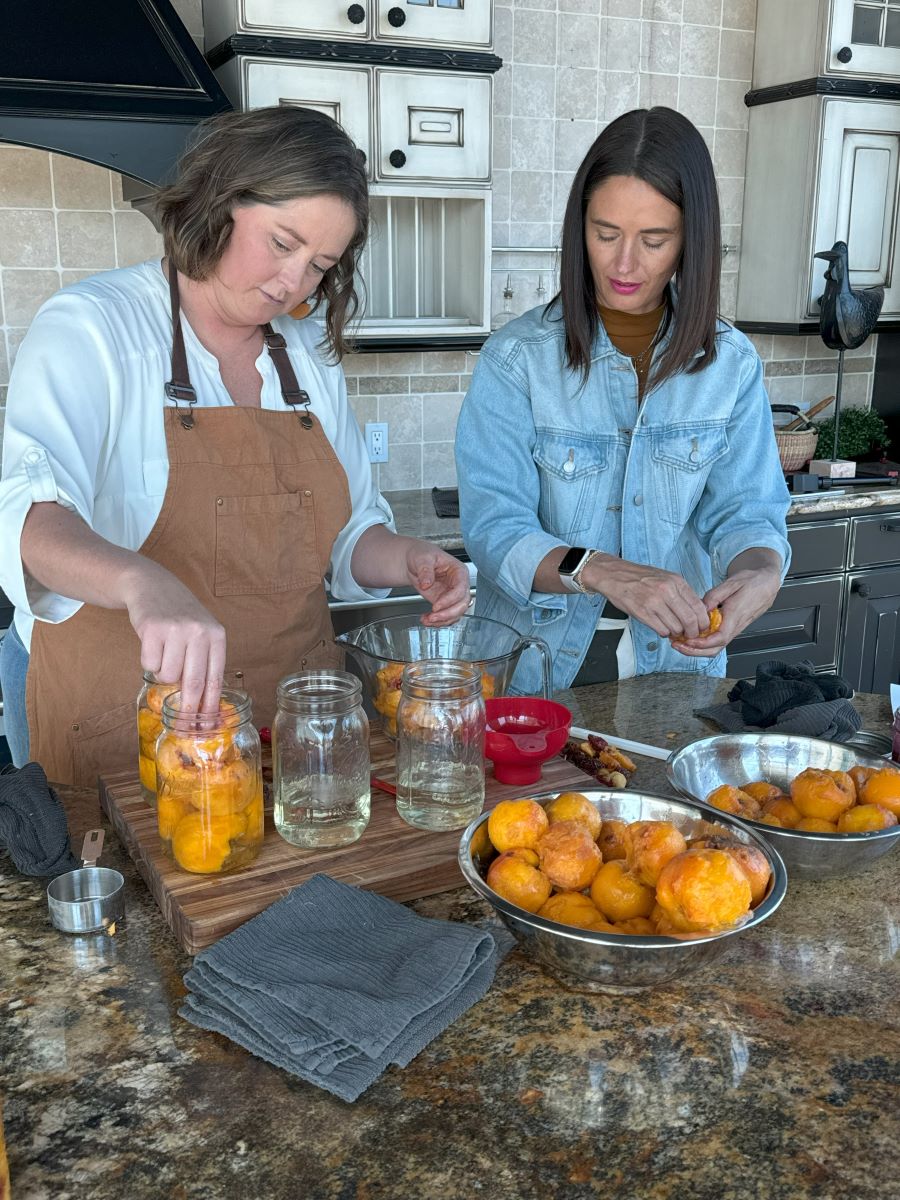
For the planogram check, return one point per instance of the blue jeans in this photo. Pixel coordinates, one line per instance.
(13, 669)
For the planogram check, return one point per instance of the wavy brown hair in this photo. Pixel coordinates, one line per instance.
(662, 148)
(266, 156)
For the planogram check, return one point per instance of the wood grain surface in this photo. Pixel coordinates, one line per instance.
(391, 857)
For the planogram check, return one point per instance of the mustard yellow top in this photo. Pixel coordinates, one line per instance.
(633, 334)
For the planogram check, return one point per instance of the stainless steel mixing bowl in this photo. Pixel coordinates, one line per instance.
(735, 758)
(612, 962)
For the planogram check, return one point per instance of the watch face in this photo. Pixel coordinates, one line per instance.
(571, 559)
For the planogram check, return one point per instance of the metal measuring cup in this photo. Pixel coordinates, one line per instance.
(91, 898)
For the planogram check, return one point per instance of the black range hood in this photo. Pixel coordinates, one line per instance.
(119, 83)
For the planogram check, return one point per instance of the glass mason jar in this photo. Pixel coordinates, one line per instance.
(440, 744)
(320, 760)
(895, 730)
(209, 789)
(149, 724)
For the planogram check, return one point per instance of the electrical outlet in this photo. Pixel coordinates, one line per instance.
(377, 441)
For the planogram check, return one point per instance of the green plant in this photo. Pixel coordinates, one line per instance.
(861, 430)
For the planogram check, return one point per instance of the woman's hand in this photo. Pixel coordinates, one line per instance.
(441, 579)
(660, 599)
(753, 582)
(180, 641)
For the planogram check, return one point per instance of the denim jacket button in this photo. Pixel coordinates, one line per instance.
(653, 645)
(639, 499)
(568, 466)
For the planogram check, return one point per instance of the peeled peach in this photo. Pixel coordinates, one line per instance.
(762, 791)
(613, 839)
(816, 825)
(715, 623)
(820, 795)
(863, 818)
(735, 801)
(859, 775)
(619, 895)
(641, 925)
(650, 846)
(755, 866)
(572, 908)
(573, 806)
(518, 881)
(569, 856)
(883, 787)
(784, 809)
(771, 819)
(526, 855)
(703, 889)
(516, 823)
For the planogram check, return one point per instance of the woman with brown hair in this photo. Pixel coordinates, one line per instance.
(618, 474)
(181, 465)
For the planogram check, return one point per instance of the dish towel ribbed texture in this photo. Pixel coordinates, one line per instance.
(33, 823)
(788, 698)
(333, 983)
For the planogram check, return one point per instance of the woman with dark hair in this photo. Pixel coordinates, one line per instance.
(181, 465)
(618, 474)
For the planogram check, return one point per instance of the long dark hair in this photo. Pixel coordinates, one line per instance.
(265, 156)
(662, 148)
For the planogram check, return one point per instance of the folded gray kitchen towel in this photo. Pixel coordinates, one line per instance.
(33, 824)
(333, 983)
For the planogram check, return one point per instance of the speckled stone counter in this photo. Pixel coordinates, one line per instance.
(772, 1075)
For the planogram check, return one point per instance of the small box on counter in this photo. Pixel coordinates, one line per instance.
(839, 469)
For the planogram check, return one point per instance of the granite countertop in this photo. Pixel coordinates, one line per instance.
(415, 516)
(771, 1075)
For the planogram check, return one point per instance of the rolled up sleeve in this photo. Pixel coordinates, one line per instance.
(745, 501)
(499, 485)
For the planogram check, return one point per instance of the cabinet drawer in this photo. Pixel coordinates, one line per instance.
(875, 540)
(342, 93)
(287, 18)
(818, 547)
(447, 22)
(432, 126)
(870, 653)
(802, 625)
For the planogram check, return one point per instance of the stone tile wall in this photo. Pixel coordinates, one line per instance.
(570, 66)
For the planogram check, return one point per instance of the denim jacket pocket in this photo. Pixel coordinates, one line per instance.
(683, 455)
(575, 479)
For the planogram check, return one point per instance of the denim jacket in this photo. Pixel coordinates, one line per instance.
(686, 481)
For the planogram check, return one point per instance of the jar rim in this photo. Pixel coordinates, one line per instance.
(440, 676)
(204, 723)
(329, 691)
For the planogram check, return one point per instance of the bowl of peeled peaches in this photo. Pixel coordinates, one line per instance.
(619, 891)
(828, 809)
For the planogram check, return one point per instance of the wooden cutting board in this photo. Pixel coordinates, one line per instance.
(391, 857)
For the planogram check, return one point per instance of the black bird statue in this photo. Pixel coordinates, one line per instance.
(846, 316)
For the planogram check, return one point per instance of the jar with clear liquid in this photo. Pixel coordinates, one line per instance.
(320, 760)
(440, 744)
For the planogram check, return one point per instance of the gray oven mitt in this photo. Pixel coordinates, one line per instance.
(333, 983)
(33, 824)
(788, 698)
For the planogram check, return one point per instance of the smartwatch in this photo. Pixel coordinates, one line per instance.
(573, 563)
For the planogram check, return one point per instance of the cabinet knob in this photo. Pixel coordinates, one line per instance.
(862, 589)
(396, 17)
(356, 14)
(890, 527)
(397, 159)
(844, 54)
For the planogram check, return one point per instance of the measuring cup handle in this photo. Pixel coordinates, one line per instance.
(546, 665)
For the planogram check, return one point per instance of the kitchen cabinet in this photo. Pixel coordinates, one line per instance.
(845, 38)
(850, 149)
(466, 23)
(839, 607)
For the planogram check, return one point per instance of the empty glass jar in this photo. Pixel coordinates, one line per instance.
(440, 744)
(209, 790)
(320, 760)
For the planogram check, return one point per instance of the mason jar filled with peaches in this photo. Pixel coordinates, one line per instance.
(149, 723)
(209, 789)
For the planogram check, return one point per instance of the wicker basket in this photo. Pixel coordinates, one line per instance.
(796, 448)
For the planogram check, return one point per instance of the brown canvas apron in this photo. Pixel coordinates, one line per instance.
(254, 502)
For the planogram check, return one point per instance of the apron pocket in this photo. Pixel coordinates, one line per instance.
(265, 544)
(105, 743)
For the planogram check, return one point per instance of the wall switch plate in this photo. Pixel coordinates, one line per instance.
(377, 441)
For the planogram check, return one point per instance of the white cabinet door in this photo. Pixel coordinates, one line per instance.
(859, 171)
(864, 38)
(427, 22)
(343, 93)
(314, 18)
(432, 126)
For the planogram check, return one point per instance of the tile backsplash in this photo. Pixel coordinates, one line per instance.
(570, 67)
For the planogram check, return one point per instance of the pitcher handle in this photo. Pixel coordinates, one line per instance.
(546, 664)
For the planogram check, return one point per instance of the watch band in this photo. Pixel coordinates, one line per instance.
(579, 571)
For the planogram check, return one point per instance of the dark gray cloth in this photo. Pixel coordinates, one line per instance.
(333, 983)
(33, 824)
(788, 698)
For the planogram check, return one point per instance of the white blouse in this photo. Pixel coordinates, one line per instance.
(84, 424)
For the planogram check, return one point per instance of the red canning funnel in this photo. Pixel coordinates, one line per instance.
(522, 733)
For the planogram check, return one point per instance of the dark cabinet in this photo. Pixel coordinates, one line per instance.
(839, 607)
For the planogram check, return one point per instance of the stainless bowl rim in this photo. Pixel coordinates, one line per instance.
(497, 658)
(771, 902)
(107, 876)
(800, 835)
